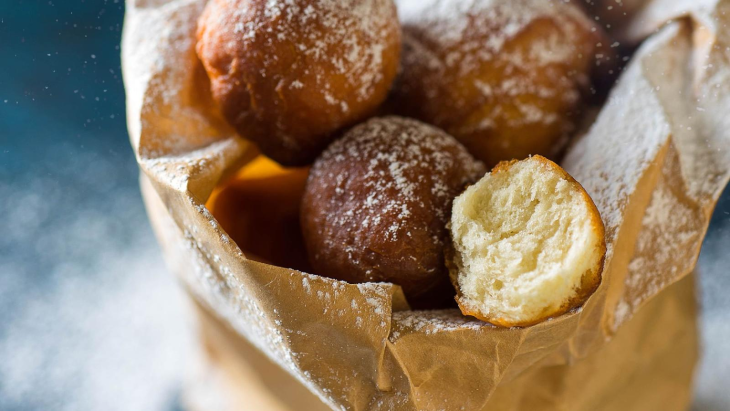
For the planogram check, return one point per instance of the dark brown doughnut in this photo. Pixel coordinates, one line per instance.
(377, 202)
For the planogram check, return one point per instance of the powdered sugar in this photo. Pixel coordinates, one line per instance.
(344, 35)
(658, 112)
(475, 31)
(632, 117)
(668, 244)
(469, 38)
(160, 71)
(666, 250)
(432, 322)
(179, 170)
(396, 152)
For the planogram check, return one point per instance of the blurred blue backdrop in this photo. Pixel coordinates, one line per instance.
(89, 318)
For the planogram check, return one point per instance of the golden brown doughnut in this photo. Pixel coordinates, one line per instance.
(527, 243)
(503, 77)
(288, 74)
(377, 202)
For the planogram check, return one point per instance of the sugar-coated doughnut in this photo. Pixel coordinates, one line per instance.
(528, 244)
(288, 74)
(377, 202)
(504, 77)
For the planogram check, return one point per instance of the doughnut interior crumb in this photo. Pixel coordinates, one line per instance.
(528, 244)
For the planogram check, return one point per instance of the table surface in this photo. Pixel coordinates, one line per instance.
(89, 317)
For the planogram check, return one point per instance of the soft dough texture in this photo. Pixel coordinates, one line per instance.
(528, 244)
(377, 202)
(288, 74)
(505, 77)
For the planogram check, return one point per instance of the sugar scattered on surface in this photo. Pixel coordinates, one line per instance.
(669, 232)
(159, 67)
(432, 322)
(632, 117)
(91, 319)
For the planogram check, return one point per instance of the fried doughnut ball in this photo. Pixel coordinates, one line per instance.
(288, 74)
(503, 77)
(377, 202)
(528, 244)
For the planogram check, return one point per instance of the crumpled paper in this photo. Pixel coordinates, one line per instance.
(655, 162)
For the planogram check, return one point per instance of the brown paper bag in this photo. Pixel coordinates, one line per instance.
(655, 162)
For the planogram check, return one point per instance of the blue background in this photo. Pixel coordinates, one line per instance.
(89, 318)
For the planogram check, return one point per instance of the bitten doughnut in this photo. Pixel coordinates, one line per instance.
(377, 202)
(288, 74)
(528, 244)
(503, 77)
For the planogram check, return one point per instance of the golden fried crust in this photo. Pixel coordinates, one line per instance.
(589, 285)
(376, 205)
(504, 78)
(289, 75)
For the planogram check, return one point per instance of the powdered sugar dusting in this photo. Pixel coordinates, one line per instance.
(667, 247)
(632, 117)
(466, 38)
(395, 153)
(432, 322)
(179, 170)
(344, 35)
(655, 107)
(461, 27)
(167, 112)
